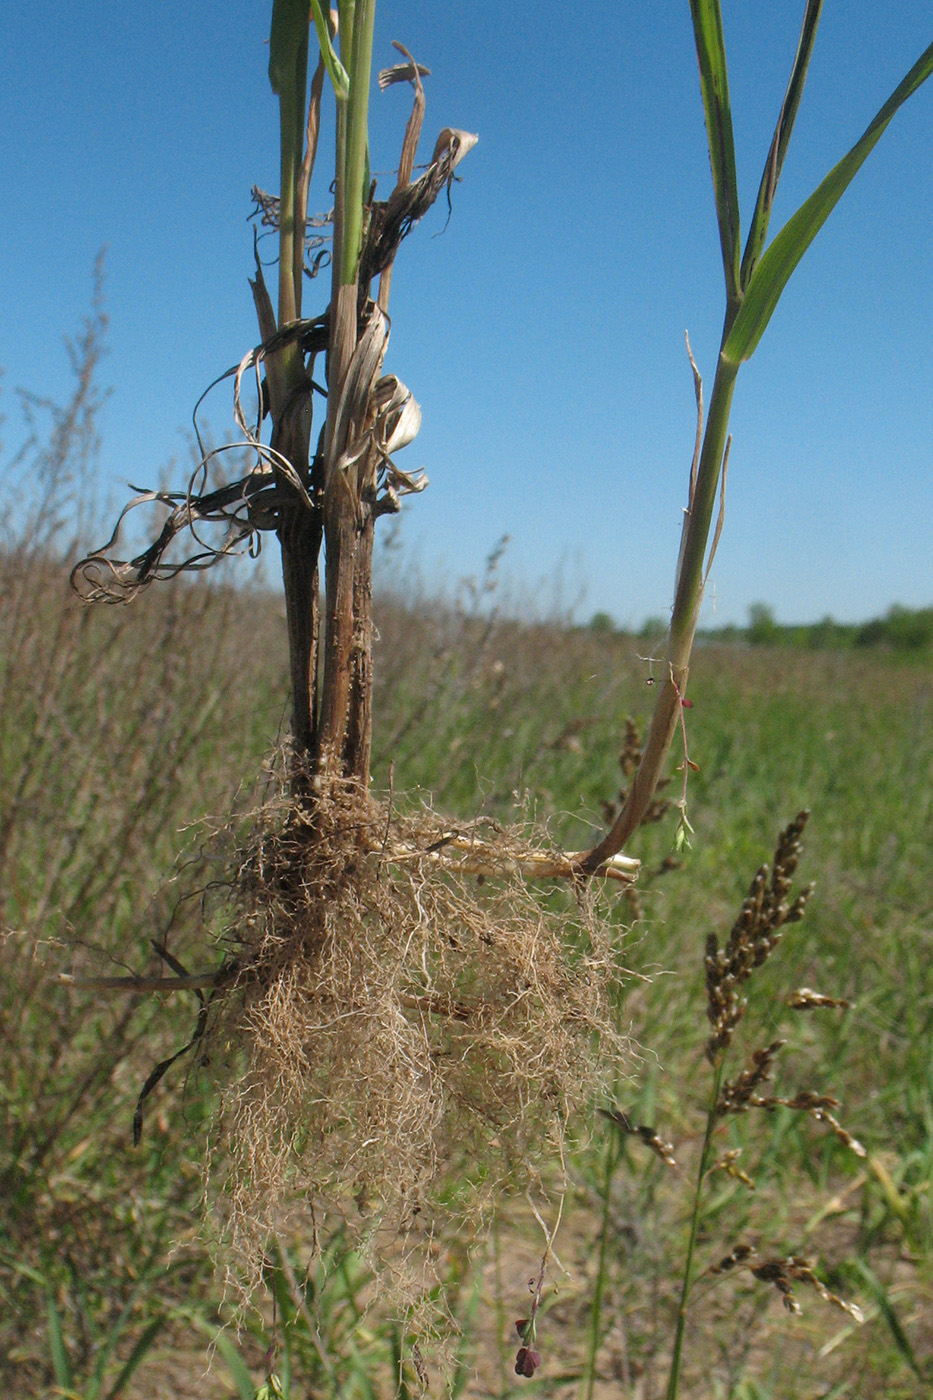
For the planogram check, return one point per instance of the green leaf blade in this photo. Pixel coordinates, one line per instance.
(228, 1351)
(780, 260)
(357, 148)
(714, 88)
(61, 1366)
(289, 26)
(136, 1357)
(758, 230)
(887, 1310)
(336, 71)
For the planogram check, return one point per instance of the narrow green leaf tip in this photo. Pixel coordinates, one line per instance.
(338, 74)
(781, 258)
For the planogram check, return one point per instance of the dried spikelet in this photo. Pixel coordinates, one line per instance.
(805, 999)
(783, 1273)
(737, 1095)
(630, 754)
(389, 1021)
(729, 1163)
(840, 1132)
(629, 759)
(818, 1107)
(645, 1134)
(754, 936)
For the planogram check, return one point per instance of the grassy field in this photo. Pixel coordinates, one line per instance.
(121, 729)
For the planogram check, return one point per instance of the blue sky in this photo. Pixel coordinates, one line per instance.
(542, 329)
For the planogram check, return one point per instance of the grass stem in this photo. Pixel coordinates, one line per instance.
(613, 1153)
(673, 1380)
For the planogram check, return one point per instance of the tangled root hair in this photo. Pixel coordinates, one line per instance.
(394, 1027)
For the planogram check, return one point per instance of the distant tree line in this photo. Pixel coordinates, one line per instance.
(901, 629)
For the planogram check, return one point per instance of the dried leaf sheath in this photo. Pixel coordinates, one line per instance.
(294, 491)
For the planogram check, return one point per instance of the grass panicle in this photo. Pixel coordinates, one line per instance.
(754, 936)
(768, 907)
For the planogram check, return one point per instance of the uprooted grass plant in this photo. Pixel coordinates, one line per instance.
(110, 1234)
(396, 994)
(358, 956)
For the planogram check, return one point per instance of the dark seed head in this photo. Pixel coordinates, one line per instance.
(527, 1362)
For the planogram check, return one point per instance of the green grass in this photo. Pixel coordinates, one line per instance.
(121, 728)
